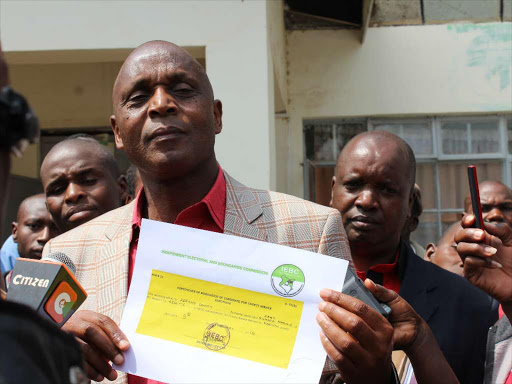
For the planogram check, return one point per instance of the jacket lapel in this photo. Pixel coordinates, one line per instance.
(244, 214)
(417, 286)
(112, 265)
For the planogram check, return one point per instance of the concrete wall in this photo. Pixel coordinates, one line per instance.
(236, 51)
(278, 93)
(68, 95)
(410, 70)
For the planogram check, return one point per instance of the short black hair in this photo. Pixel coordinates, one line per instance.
(106, 156)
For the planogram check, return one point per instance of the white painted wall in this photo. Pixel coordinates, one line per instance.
(236, 45)
(410, 70)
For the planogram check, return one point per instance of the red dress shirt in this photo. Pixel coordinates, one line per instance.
(389, 272)
(208, 214)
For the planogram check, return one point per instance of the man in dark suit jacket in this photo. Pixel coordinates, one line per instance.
(372, 189)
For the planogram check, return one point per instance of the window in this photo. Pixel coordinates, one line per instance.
(443, 148)
(322, 143)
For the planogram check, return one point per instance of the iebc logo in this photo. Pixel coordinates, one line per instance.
(60, 302)
(287, 280)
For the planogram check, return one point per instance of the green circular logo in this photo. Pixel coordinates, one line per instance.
(287, 280)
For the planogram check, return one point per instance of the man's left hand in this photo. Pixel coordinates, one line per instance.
(357, 338)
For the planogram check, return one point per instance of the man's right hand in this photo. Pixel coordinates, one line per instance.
(101, 341)
(477, 248)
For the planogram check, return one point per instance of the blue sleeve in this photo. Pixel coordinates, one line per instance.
(8, 255)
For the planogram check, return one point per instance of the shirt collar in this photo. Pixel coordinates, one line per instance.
(386, 268)
(215, 201)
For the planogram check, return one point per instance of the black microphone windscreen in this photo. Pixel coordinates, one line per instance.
(62, 258)
(48, 286)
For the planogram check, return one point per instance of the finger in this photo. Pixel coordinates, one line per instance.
(469, 235)
(114, 332)
(355, 306)
(346, 367)
(382, 294)
(468, 221)
(92, 373)
(472, 263)
(96, 360)
(476, 250)
(343, 342)
(501, 233)
(95, 336)
(350, 323)
(495, 234)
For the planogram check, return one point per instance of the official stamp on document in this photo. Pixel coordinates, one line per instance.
(216, 336)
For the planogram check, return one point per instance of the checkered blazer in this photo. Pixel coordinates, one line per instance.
(100, 248)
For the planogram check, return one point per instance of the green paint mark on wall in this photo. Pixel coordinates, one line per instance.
(491, 48)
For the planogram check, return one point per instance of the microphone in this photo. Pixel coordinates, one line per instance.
(48, 286)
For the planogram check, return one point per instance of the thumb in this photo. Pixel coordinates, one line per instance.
(382, 294)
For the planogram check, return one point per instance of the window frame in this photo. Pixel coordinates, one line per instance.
(437, 157)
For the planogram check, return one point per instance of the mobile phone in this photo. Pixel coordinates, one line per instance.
(355, 287)
(475, 197)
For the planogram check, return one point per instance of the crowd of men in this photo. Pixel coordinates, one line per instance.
(450, 307)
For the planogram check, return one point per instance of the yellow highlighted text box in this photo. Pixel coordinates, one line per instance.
(234, 321)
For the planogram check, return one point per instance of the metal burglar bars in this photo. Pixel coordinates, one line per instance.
(443, 146)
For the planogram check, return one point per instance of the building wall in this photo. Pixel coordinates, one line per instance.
(235, 41)
(398, 71)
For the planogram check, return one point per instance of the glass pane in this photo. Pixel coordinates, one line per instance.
(427, 231)
(453, 181)
(320, 179)
(346, 131)
(454, 137)
(393, 128)
(425, 178)
(417, 135)
(509, 131)
(485, 137)
(319, 142)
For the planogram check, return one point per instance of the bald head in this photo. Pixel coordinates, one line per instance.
(156, 51)
(83, 147)
(372, 190)
(444, 253)
(165, 117)
(383, 139)
(81, 181)
(496, 202)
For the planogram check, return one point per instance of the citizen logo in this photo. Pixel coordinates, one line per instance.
(33, 281)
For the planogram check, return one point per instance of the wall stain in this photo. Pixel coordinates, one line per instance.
(490, 48)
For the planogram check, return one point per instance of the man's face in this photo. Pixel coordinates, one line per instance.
(445, 253)
(165, 116)
(78, 186)
(371, 190)
(496, 201)
(34, 228)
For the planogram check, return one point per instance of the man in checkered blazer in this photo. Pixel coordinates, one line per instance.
(166, 118)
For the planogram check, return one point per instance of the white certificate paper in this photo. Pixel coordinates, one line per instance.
(205, 307)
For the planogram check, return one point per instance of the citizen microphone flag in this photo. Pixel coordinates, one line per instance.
(47, 286)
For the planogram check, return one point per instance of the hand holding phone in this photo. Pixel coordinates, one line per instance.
(355, 287)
